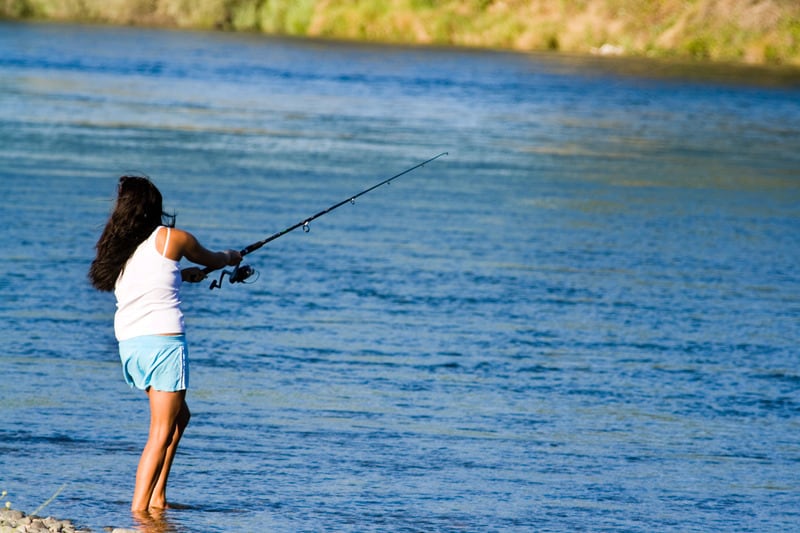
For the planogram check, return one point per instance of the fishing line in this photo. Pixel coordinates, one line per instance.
(242, 273)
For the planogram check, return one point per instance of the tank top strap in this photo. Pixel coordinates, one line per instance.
(166, 244)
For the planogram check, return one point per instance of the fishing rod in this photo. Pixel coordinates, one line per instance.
(242, 273)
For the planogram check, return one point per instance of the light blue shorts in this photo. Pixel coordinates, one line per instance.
(158, 361)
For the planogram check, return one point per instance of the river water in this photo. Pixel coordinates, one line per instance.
(585, 317)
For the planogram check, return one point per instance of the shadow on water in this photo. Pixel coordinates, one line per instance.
(673, 72)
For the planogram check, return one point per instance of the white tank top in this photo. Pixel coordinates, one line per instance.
(148, 293)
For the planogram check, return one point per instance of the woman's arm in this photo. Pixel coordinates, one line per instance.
(184, 244)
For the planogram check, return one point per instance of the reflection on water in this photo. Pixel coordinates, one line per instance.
(583, 317)
(154, 521)
(676, 72)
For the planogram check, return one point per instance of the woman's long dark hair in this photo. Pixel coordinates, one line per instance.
(137, 213)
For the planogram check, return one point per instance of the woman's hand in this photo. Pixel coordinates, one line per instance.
(193, 274)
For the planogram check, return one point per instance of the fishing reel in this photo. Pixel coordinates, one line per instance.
(240, 274)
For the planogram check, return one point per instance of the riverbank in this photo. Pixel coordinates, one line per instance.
(14, 521)
(751, 32)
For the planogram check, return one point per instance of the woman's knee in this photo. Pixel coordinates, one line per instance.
(159, 438)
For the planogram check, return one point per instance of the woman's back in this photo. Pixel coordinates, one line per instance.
(147, 292)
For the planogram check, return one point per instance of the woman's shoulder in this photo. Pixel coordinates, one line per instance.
(172, 242)
(174, 233)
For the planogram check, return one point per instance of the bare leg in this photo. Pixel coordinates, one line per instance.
(165, 408)
(159, 498)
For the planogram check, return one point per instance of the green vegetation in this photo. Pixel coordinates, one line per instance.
(750, 31)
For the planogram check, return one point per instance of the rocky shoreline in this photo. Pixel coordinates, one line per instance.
(14, 521)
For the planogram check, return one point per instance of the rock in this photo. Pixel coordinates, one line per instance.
(13, 521)
(11, 514)
(37, 525)
(609, 50)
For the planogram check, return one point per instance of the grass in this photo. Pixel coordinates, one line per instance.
(750, 31)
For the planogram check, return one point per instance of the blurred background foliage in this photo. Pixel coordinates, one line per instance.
(748, 31)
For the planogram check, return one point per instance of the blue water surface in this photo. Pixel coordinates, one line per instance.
(585, 317)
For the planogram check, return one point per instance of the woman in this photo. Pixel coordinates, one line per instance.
(138, 258)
